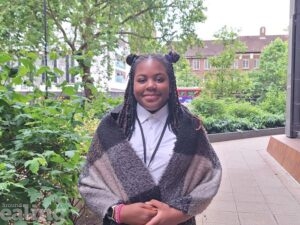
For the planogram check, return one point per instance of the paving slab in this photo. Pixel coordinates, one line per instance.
(255, 189)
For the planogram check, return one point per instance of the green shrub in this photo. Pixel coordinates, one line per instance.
(243, 110)
(205, 106)
(228, 115)
(269, 120)
(102, 103)
(41, 156)
(224, 125)
(274, 102)
(41, 150)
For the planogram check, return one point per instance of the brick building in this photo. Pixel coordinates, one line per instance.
(248, 60)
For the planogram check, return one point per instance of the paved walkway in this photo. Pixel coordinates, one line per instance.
(255, 189)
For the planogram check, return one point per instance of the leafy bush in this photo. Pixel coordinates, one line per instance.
(274, 102)
(269, 120)
(42, 147)
(230, 115)
(213, 125)
(205, 106)
(243, 110)
(102, 103)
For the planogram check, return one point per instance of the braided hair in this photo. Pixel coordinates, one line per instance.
(128, 114)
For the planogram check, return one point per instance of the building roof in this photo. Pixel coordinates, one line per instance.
(254, 44)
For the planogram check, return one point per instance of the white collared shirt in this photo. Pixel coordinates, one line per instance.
(153, 125)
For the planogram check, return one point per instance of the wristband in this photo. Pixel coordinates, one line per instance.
(117, 214)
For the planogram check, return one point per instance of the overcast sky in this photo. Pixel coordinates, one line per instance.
(246, 15)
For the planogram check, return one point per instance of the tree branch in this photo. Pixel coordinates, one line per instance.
(97, 4)
(75, 35)
(123, 40)
(144, 11)
(143, 36)
(53, 16)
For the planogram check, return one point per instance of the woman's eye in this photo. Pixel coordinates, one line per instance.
(160, 79)
(141, 80)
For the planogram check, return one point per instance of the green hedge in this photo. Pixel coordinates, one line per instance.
(230, 115)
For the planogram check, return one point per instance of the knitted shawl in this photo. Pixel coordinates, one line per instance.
(114, 174)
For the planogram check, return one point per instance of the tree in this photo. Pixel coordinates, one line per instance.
(223, 80)
(184, 74)
(21, 25)
(272, 73)
(88, 28)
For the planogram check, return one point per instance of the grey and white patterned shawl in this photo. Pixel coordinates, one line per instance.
(113, 173)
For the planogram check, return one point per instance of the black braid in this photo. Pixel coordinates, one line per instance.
(127, 115)
(173, 103)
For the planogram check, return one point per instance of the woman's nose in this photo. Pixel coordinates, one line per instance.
(151, 84)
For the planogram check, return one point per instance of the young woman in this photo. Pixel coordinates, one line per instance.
(150, 162)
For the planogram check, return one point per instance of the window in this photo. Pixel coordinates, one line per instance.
(196, 64)
(44, 76)
(245, 63)
(55, 75)
(120, 77)
(256, 63)
(60, 64)
(73, 65)
(207, 65)
(120, 63)
(235, 64)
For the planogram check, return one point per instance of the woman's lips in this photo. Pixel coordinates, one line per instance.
(151, 97)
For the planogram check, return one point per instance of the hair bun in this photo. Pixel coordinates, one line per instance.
(131, 58)
(172, 57)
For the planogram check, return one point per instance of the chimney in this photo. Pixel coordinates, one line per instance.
(262, 33)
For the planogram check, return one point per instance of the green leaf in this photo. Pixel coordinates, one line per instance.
(42, 69)
(20, 222)
(69, 90)
(32, 55)
(63, 208)
(19, 185)
(57, 158)
(48, 153)
(48, 200)
(53, 55)
(33, 194)
(4, 57)
(26, 62)
(58, 71)
(33, 165)
(74, 71)
(23, 70)
(3, 186)
(17, 80)
(2, 166)
(70, 154)
(42, 161)
(20, 97)
(45, 188)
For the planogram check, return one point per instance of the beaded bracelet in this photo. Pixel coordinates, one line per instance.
(118, 213)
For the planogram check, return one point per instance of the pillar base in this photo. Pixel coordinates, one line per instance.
(287, 153)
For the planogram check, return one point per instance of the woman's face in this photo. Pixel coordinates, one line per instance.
(151, 84)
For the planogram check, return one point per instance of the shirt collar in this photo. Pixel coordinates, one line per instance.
(144, 114)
